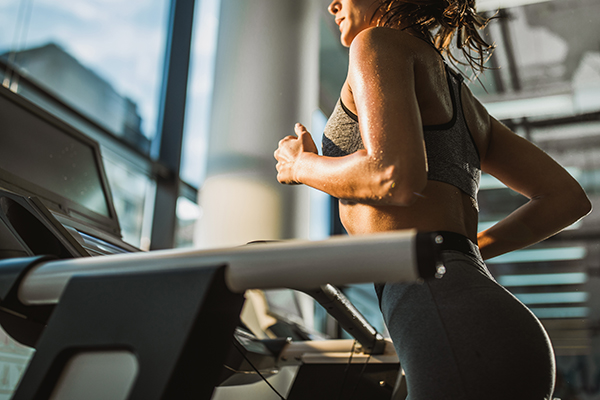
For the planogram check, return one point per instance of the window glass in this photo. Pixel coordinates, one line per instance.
(104, 58)
(132, 192)
(14, 358)
(188, 213)
(204, 45)
(548, 58)
(545, 85)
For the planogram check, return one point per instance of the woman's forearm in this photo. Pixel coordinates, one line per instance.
(533, 222)
(369, 177)
(361, 178)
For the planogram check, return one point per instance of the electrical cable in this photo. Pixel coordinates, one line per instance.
(347, 369)
(362, 371)
(257, 371)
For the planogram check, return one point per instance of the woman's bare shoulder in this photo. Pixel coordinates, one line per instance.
(382, 39)
(478, 120)
(382, 51)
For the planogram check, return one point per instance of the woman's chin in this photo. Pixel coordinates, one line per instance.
(345, 40)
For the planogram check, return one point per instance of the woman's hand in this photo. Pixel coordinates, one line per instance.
(290, 151)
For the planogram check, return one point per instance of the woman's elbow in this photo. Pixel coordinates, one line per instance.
(402, 189)
(581, 204)
(574, 203)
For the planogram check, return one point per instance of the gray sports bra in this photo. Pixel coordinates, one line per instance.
(452, 156)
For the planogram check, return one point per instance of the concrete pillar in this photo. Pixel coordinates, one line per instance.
(266, 79)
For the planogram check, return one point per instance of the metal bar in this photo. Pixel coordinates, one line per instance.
(349, 318)
(572, 119)
(504, 18)
(332, 352)
(495, 69)
(171, 121)
(382, 257)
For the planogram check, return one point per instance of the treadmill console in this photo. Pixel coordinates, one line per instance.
(53, 187)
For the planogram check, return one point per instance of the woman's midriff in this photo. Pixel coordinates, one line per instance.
(442, 207)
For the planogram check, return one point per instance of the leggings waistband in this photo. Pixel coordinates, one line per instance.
(451, 241)
(457, 242)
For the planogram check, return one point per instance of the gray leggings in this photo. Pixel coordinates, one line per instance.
(465, 337)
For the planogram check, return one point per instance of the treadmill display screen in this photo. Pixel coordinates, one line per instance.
(42, 154)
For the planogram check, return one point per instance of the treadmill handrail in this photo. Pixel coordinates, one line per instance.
(347, 315)
(341, 260)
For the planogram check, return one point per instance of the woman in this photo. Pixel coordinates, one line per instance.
(403, 149)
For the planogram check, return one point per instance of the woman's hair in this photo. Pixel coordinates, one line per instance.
(440, 21)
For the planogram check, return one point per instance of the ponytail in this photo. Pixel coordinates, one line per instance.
(440, 21)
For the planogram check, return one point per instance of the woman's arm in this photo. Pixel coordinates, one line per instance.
(392, 167)
(556, 200)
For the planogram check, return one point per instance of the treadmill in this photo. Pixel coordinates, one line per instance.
(56, 174)
(60, 245)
